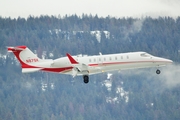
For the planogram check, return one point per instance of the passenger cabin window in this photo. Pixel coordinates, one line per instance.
(145, 55)
(127, 57)
(104, 59)
(99, 59)
(109, 58)
(121, 57)
(115, 58)
(89, 60)
(94, 59)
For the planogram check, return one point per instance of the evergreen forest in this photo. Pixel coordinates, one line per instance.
(138, 94)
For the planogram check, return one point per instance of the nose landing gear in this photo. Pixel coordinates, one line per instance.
(158, 71)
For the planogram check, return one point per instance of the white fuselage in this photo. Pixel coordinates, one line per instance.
(111, 62)
(86, 65)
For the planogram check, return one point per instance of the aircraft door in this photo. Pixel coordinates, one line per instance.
(100, 59)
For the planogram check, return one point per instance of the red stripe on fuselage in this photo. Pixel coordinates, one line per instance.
(49, 69)
(70, 67)
(114, 63)
(57, 69)
(111, 63)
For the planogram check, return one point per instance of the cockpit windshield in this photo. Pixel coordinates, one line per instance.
(145, 55)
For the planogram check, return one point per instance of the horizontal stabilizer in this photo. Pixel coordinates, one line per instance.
(29, 70)
(10, 49)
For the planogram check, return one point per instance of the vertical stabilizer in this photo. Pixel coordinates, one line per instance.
(25, 56)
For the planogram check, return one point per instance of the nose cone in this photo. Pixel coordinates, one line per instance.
(163, 61)
(169, 61)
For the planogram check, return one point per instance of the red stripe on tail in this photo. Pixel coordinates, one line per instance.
(16, 51)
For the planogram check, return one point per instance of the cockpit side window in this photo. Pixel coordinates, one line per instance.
(145, 55)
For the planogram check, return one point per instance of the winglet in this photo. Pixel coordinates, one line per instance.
(71, 59)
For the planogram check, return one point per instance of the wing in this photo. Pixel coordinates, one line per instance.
(78, 67)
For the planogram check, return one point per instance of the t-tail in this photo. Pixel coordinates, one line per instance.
(28, 60)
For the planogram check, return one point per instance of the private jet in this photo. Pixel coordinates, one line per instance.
(86, 65)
